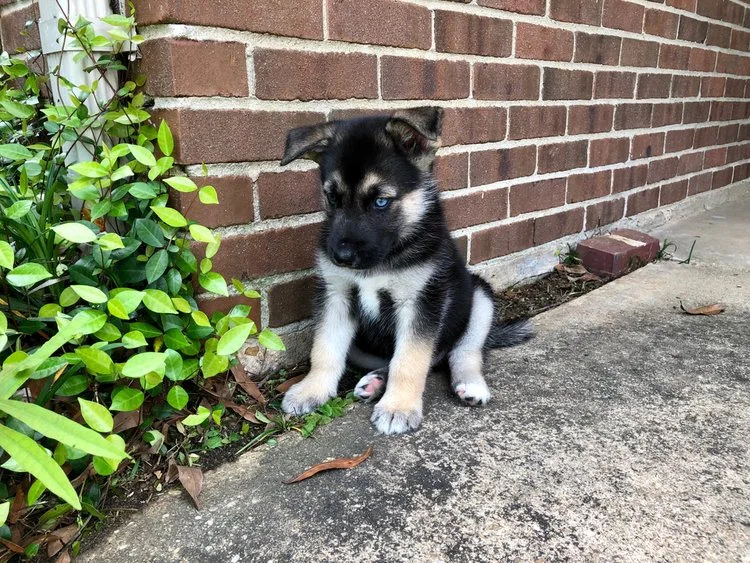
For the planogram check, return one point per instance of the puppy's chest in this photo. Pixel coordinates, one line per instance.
(372, 300)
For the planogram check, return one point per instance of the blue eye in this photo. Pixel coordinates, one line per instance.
(381, 203)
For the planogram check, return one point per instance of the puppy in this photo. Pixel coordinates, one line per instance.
(395, 296)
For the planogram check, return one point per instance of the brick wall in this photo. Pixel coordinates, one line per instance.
(562, 116)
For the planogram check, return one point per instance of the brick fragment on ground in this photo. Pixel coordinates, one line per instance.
(618, 252)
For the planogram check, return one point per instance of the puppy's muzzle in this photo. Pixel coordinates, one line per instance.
(344, 254)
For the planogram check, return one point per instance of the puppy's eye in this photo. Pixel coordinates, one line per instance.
(381, 203)
(332, 198)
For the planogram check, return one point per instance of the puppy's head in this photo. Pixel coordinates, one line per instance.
(376, 180)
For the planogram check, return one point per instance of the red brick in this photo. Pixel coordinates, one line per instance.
(642, 201)
(289, 193)
(597, 49)
(673, 192)
(659, 22)
(738, 152)
(604, 213)
(702, 60)
(741, 110)
(560, 84)
(300, 75)
(733, 64)
(715, 157)
(577, 11)
(456, 32)
(705, 137)
(535, 196)
(721, 111)
(624, 179)
(666, 114)
(614, 84)
(562, 156)
(19, 31)
(733, 13)
(679, 140)
(685, 86)
(170, 67)
(416, 79)
(553, 227)
(692, 30)
(713, 9)
(700, 183)
(589, 186)
(291, 301)
(504, 164)
(211, 305)
(452, 171)
(267, 252)
(502, 240)
(233, 135)
(639, 53)
(462, 245)
(728, 134)
(740, 40)
(611, 256)
(379, 22)
(721, 178)
(713, 86)
(235, 202)
(302, 18)
(744, 134)
(633, 116)
(608, 151)
(541, 42)
(535, 7)
(718, 35)
(647, 145)
(464, 126)
(654, 86)
(688, 5)
(674, 56)
(476, 208)
(735, 88)
(539, 121)
(623, 15)
(689, 163)
(590, 119)
(660, 170)
(741, 172)
(696, 112)
(505, 82)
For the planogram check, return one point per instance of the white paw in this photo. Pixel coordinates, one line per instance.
(474, 393)
(370, 387)
(303, 398)
(395, 421)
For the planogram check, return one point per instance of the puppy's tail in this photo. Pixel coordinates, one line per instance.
(509, 333)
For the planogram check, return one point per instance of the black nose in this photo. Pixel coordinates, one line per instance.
(343, 254)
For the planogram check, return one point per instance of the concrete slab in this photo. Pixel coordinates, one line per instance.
(619, 433)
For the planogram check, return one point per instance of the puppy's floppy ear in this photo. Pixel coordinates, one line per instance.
(417, 132)
(307, 142)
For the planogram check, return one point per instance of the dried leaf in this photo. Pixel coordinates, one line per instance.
(18, 506)
(576, 270)
(250, 387)
(340, 463)
(244, 412)
(707, 310)
(126, 421)
(284, 387)
(191, 478)
(588, 276)
(60, 538)
(64, 557)
(14, 547)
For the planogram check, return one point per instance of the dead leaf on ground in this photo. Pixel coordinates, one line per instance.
(340, 463)
(244, 412)
(706, 310)
(18, 506)
(126, 420)
(576, 270)
(284, 387)
(191, 478)
(64, 557)
(14, 547)
(250, 387)
(60, 538)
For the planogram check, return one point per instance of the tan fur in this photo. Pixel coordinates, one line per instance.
(407, 376)
(413, 207)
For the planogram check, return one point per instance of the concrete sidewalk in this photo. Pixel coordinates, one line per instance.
(621, 432)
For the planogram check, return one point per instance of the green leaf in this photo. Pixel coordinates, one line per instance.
(134, 339)
(148, 330)
(4, 510)
(122, 172)
(214, 282)
(75, 232)
(90, 169)
(124, 303)
(234, 338)
(143, 363)
(174, 339)
(213, 364)
(200, 318)
(21, 111)
(15, 152)
(108, 333)
(269, 339)
(60, 428)
(19, 209)
(90, 294)
(95, 360)
(157, 301)
(157, 265)
(174, 365)
(36, 490)
(142, 190)
(27, 274)
(170, 216)
(202, 234)
(96, 416)
(73, 386)
(177, 398)
(142, 155)
(181, 184)
(149, 232)
(165, 139)
(110, 241)
(196, 419)
(68, 297)
(126, 399)
(32, 458)
(6, 255)
(208, 196)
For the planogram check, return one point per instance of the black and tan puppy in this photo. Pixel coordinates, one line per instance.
(396, 296)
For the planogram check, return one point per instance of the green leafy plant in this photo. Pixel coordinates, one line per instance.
(569, 257)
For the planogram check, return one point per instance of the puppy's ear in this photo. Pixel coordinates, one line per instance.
(307, 142)
(417, 132)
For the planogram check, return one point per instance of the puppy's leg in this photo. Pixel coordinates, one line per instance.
(400, 409)
(465, 359)
(372, 385)
(333, 336)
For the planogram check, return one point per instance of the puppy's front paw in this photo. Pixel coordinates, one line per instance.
(371, 386)
(305, 397)
(392, 420)
(475, 393)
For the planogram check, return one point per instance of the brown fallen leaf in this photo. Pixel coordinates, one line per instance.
(60, 538)
(707, 310)
(14, 547)
(191, 478)
(340, 463)
(63, 558)
(244, 412)
(127, 420)
(576, 270)
(284, 387)
(250, 387)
